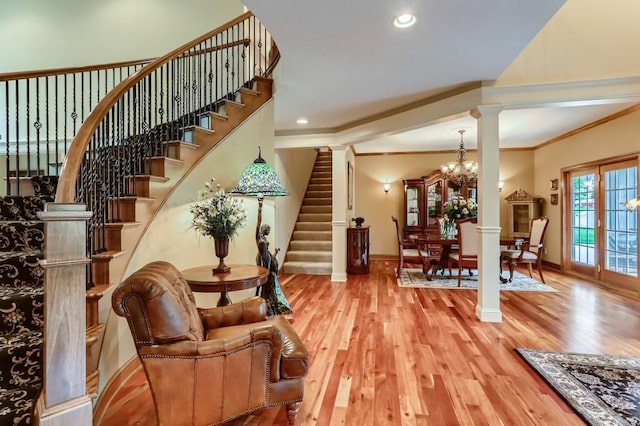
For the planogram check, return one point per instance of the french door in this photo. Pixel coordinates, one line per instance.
(601, 236)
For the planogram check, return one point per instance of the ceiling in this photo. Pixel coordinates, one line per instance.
(344, 63)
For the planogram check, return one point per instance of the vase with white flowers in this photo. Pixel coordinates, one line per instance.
(218, 215)
(457, 208)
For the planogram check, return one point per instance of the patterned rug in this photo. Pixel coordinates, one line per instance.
(603, 390)
(414, 278)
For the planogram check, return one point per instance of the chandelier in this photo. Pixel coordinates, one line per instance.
(462, 171)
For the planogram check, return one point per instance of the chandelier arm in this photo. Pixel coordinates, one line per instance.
(461, 172)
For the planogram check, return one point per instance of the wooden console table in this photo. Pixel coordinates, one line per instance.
(240, 277)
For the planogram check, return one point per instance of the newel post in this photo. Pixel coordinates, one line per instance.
(64, 400)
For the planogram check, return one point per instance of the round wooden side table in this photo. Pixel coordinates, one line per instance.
(240, 277)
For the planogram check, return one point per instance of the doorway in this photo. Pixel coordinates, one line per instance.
(601, 234)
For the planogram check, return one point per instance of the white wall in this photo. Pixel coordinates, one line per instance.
(40, 34)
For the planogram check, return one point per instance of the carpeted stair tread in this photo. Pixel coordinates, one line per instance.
(315, 217)
(23, 236)
(21, 309)
(315, 209)
(19, 269)
(311, 245)
(316, 256)
(317, 201)
(312, 235)
(313, 226)
(22, 352)
(16, 207)
(316, 268)
(16, 405)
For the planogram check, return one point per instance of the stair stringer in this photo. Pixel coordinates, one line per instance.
(157, 243)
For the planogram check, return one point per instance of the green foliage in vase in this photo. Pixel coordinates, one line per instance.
(216, 213)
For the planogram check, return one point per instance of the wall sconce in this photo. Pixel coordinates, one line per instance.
(500, 185)
(386, 187)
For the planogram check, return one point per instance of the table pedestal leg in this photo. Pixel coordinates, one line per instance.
(224, 299)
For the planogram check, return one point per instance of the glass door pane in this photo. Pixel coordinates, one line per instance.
(583, 219)
(413, 206)
(434, 203)
(620, 224)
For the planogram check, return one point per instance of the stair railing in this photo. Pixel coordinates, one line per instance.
(155, 105)
(41, 111)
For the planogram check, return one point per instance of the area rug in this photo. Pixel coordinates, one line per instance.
(603, 390)
(414, 278)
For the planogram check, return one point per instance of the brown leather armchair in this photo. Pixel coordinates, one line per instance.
(208, 366)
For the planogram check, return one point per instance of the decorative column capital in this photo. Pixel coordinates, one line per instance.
(484, 110)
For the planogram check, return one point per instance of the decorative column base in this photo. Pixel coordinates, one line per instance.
(488, 315)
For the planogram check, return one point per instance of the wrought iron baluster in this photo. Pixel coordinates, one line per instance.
(6, 137)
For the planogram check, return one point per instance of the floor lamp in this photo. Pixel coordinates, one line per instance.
(260, 179)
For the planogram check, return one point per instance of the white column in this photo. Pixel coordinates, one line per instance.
(488, 305)
(339, 209)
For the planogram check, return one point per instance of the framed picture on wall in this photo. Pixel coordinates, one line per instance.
(554, 199)
(349, 185)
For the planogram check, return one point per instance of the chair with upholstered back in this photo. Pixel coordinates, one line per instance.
(209, 366)
(467, 254)
(409, 252)
(530, 251)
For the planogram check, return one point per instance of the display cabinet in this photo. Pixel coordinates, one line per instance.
(424, 201)
(414, 214)
(358, 250)
(435, 195)
(522, 208)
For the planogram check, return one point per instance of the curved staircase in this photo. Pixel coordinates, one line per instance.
(21, 249)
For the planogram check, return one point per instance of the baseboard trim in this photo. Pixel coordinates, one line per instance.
(488, 315)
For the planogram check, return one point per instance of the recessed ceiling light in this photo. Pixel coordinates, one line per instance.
(302, 120)
(404, 21)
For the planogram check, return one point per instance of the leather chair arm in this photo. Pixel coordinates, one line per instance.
(228, 343)
(247, 311)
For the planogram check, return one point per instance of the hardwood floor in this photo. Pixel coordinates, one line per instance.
(384, 355)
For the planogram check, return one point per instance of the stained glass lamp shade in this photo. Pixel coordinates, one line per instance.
(259, 179)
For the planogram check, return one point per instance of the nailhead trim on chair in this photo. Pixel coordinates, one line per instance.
(131, 326)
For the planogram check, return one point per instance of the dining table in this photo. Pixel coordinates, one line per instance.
(438, 248)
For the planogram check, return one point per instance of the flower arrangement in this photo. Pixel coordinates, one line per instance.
(456, 208)
(459, 208)
(217, 214)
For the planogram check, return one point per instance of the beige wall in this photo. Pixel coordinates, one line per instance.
(294, 167)
(516, 169)
(615, 138)
(170, 238)
(95, 32)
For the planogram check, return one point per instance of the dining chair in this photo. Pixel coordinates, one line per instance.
(410, 252)
(530, 251)
(467, 254)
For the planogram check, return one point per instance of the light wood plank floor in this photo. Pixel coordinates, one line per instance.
(384, 355)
